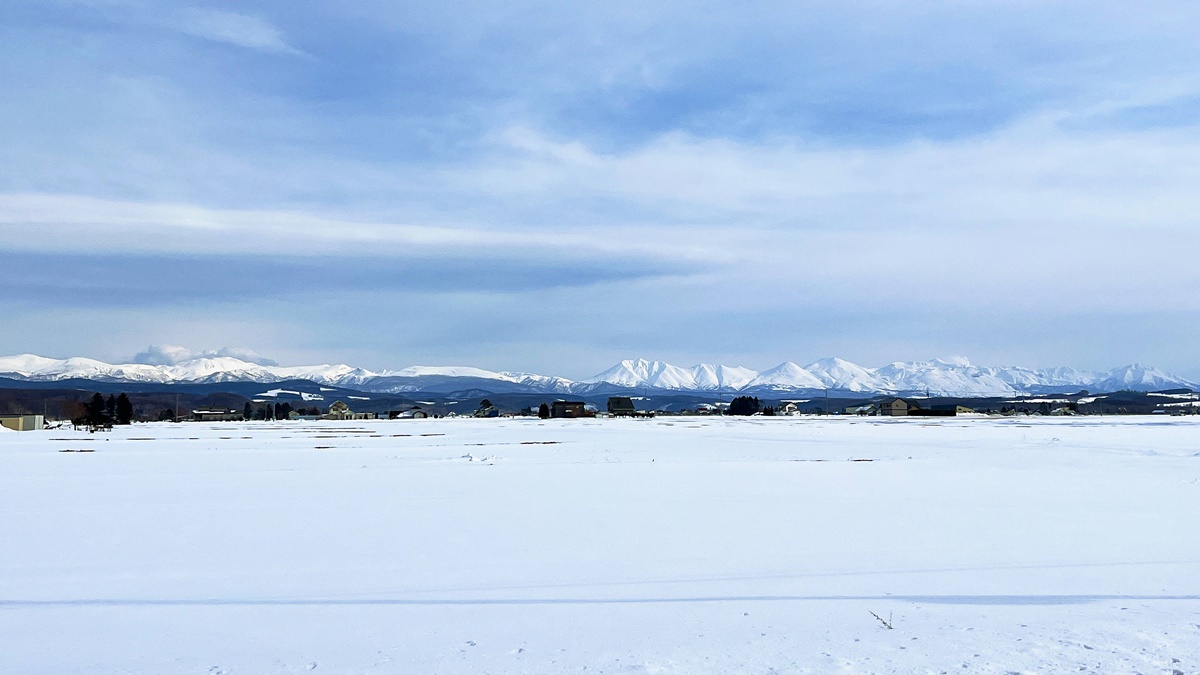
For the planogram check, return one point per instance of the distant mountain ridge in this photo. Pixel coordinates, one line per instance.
(940, 377)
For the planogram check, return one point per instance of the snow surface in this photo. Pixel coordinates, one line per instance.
(276, 393)
(673, 545)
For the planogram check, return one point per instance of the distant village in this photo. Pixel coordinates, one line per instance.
(100, 413)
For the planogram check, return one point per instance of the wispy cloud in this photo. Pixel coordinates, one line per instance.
(87, 225)
(243, 30)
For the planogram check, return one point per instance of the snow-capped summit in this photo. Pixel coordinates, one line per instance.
(25, 365)
(1139, 377)
(635, 373)
(445, 371)
(953, 376)
(943, 378)
(716, 378)
(786, 376)
(835, 373)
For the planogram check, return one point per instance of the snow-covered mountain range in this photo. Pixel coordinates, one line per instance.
(946, 377)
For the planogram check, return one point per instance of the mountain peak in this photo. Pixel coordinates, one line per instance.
(949, 377)
(787, 375)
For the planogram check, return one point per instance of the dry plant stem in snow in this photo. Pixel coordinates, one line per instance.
(886, 623)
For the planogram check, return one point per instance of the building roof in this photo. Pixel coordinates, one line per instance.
(621, 403)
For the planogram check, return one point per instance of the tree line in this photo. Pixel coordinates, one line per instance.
(278, 411)
(102, 413)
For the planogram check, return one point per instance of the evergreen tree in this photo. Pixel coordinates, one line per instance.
(110, 408)
(544, 411)
(95, 414)
(124, 409)
(95, 410)
(743, 405)
(248, 411)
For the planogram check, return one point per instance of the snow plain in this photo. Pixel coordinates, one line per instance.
(672, 545)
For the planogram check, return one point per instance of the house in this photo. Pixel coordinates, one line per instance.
(19, 422)
(340, 411)
(895, 407)
(621, 405)
(568, 409)
(486, 409)
(216, 415)
(790, 407)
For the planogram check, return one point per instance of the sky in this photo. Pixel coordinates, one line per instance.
(552, 186)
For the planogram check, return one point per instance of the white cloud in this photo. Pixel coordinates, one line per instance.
(93, 225)
(163, 355)
(232, 28)
(1032, 172)
(170, 355)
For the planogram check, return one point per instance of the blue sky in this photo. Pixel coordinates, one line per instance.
(550, 186)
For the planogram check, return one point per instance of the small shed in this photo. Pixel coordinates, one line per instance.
(20, 422)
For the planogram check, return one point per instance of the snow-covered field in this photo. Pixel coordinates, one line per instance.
(685, 545)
